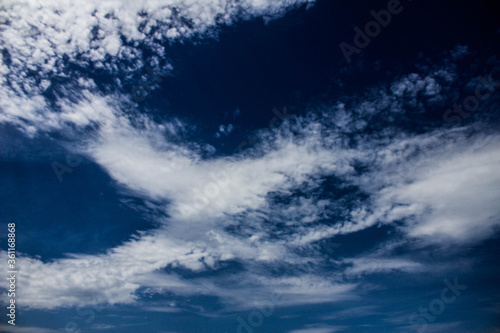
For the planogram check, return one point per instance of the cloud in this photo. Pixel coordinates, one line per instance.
(26, 329)
(318, 328)
(202, 241)
(438, 327)
(379, 265)
(261, 208)
(225, 130)
(353, 312)
(41, 41)
(450, 192)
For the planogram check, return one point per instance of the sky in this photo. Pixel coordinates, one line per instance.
(285, 166)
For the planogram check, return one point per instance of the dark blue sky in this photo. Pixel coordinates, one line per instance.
(195, 208)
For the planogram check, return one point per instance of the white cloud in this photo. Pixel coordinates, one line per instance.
(448, 192)
(43, 36)
(461, 169)
(219, 209)
(369, 265)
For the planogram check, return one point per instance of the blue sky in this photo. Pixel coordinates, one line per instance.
(223, 166)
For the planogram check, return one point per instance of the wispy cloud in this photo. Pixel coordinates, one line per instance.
(318, 328)
(25, 329)
(370, 265)
(224, 210)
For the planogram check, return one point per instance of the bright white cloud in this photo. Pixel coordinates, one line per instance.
(446, 191)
